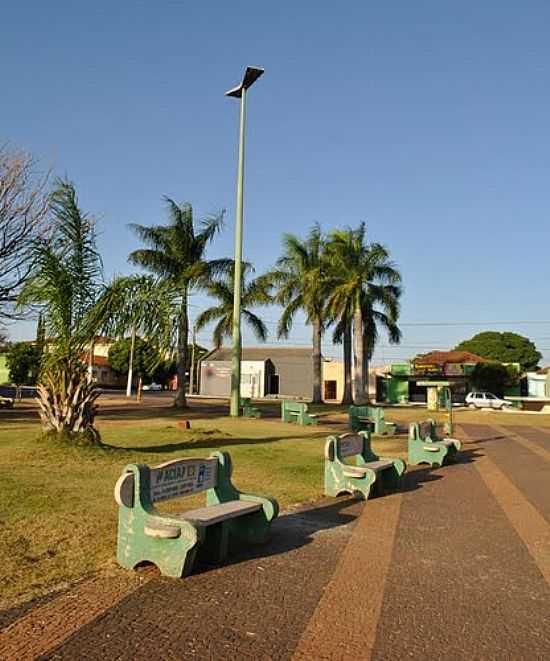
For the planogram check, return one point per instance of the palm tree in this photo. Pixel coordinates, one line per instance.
(66, 282)
(365, 291)
(254, 293)
(301, 285)
(143, 306)
(176, 255)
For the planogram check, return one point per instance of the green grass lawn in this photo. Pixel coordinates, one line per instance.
(57, 513)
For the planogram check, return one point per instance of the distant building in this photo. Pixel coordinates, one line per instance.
(4, 372)
(400, 383)
(265, 372)
(538, 383)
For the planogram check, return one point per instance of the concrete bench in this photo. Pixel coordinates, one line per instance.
(370, 418)
(368, 471)
(297, 412)
(425, 447)
(174, 542)
(248, 409)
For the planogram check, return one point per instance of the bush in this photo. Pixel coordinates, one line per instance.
(494, 377)
(23, 362)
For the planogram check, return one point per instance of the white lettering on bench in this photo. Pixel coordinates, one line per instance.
(182, 477)
(350, 445)
(171, 480)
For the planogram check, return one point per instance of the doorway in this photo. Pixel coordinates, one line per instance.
(330, 390)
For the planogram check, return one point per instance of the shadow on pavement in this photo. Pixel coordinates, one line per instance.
(296, 529)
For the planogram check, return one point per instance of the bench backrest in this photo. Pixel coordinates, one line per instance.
(374, 412)
(347, 445)
(173, 479)
(422, 430)
(425, 429)
(361, 411)
(297, 407)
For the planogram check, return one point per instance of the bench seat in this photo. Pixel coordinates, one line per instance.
(208, 516)
(359, 471)
(204, 516)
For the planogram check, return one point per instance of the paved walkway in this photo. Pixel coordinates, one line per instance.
(454, 566)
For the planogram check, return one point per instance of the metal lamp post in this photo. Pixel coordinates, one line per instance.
(250, 76)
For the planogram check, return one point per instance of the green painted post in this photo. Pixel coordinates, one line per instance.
(450, 402)
(237, 344)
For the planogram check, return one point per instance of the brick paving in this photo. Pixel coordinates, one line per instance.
(454, 566)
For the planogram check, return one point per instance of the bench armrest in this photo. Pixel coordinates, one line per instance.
(192, 533)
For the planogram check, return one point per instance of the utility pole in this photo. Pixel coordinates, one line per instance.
(192, 370)
(131, 364)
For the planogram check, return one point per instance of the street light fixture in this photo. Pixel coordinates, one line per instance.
(239, 92)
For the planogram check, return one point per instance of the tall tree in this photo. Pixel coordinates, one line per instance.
(23, 220)
(255, 293)
(364, 284)
(504, 347)
(301, 285)
(176, 253)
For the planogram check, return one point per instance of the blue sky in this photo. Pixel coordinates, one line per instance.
(426, 119)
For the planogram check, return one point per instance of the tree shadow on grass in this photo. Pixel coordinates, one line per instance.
(213, 442)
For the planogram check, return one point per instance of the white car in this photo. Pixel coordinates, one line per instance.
(485, 400)
(152, 386)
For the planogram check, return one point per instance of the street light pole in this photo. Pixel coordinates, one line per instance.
(192, 370)
(250, 76)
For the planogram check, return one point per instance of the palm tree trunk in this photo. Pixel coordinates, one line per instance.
(180, 400)
(347, 397)
(358, 374)
(366, 361)
(316, 357)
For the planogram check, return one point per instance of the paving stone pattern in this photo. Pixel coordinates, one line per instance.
(455, 566)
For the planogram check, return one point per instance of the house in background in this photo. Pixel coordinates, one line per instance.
(4, 372)
(265, 372)
(400, 383)
(538, 383)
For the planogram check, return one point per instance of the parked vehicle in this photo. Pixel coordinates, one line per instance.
(485, 400)
(151, 386)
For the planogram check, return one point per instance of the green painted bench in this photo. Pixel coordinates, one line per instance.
(359, 420)
(368, 471)
(174, 542)
(370, 418)
(425, 447)
(297, 412)
(248, 409)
